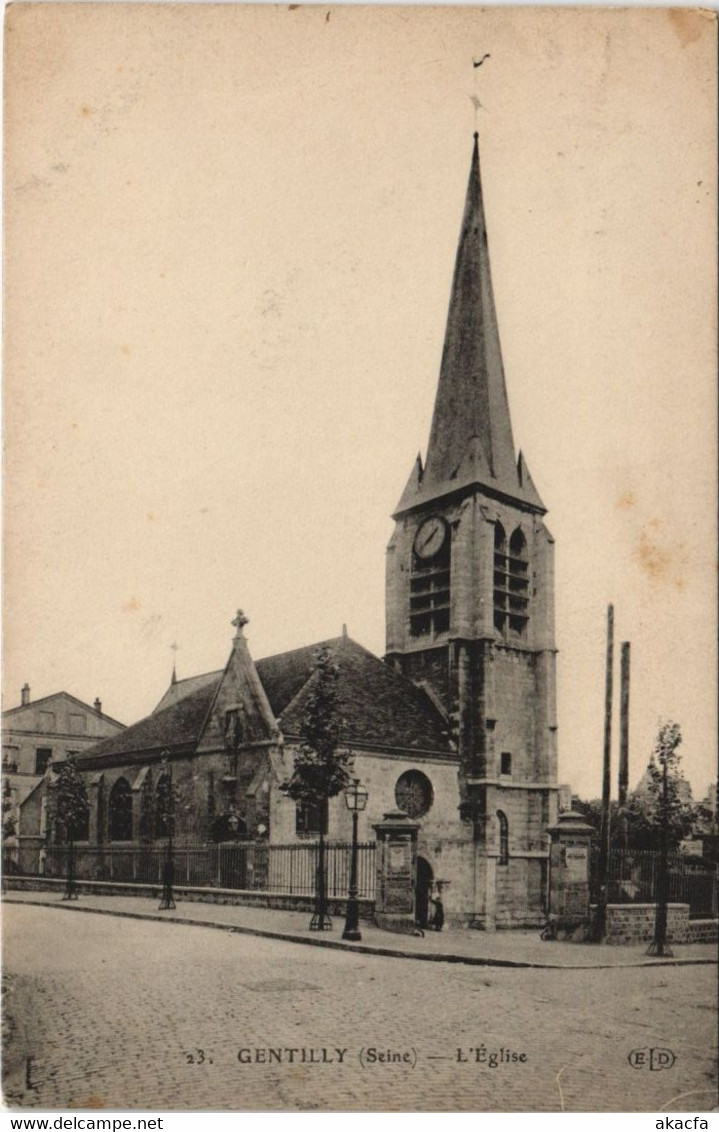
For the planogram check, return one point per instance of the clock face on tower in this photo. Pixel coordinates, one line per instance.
(430, 537)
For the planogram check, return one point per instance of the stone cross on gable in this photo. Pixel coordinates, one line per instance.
(239, 622)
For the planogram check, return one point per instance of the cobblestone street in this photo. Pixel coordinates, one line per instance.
(113, 1013)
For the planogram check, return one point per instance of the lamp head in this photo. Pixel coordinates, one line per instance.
(356, 796)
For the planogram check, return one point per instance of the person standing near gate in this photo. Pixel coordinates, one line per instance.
(437, 921)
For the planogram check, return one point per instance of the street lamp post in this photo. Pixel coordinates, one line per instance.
(356, 799)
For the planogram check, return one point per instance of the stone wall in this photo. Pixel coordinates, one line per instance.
(282, 901)
(634, 923)
(703, 931)
(519, 893)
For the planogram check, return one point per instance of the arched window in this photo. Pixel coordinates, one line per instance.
(162, 807)
(500, 577)
(413, 793)
(120, 807)
(101, 809)
(147, 799)
(511, 582)
(503, 838)
(518, 582)
(82, 826)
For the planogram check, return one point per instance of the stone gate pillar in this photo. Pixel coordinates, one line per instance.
(569, 869)
(396, 872)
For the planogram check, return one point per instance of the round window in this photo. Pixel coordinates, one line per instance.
(413, 793)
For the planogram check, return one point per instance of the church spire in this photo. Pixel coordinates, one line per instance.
(471, 436)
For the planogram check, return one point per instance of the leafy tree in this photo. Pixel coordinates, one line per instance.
(638, 825)
(321, 768)
(670, 811)
(71, 804)
(165, 804)
(9, 828)
(9, 823)
(72, 810)
(645, 810)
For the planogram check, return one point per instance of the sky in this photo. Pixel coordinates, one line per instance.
(229, 242)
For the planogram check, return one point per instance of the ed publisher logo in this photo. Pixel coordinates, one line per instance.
(652, 1058)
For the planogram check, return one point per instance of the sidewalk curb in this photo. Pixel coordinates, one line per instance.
(362, 948)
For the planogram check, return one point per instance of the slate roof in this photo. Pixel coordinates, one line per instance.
(177, 726)
(284, 675)
(181, 688)
(380, 707)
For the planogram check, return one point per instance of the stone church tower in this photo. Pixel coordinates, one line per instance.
(470, 608)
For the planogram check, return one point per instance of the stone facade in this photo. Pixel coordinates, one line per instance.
(38, 734)
(470, 611)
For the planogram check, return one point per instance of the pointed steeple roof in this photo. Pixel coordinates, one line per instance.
(240, 690)
(471, 436)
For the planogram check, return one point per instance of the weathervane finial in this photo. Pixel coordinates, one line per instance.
(474, 98)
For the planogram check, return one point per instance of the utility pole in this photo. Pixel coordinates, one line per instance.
(624, 740)
(624, 724)
(603, 870)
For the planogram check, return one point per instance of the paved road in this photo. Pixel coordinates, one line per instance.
(518, 948)
(105, 1012)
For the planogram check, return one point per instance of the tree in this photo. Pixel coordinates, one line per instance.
(638, 825)
(165, 804)
(9, 822)
(9, 827)
(72, 810)
(665, 754)
(647, 808)
(321, 767)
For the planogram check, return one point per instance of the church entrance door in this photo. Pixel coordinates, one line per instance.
(425, 878)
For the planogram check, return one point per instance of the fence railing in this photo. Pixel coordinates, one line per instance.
(633, 878)
(254, 865)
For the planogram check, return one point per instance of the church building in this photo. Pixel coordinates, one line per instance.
(456, 725)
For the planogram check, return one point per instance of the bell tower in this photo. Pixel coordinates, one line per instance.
(470, 609)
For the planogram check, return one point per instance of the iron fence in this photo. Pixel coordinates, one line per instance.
(292, 868)
(633, 878)
(253, 865)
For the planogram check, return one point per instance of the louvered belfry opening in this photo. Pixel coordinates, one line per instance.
(511, 582)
